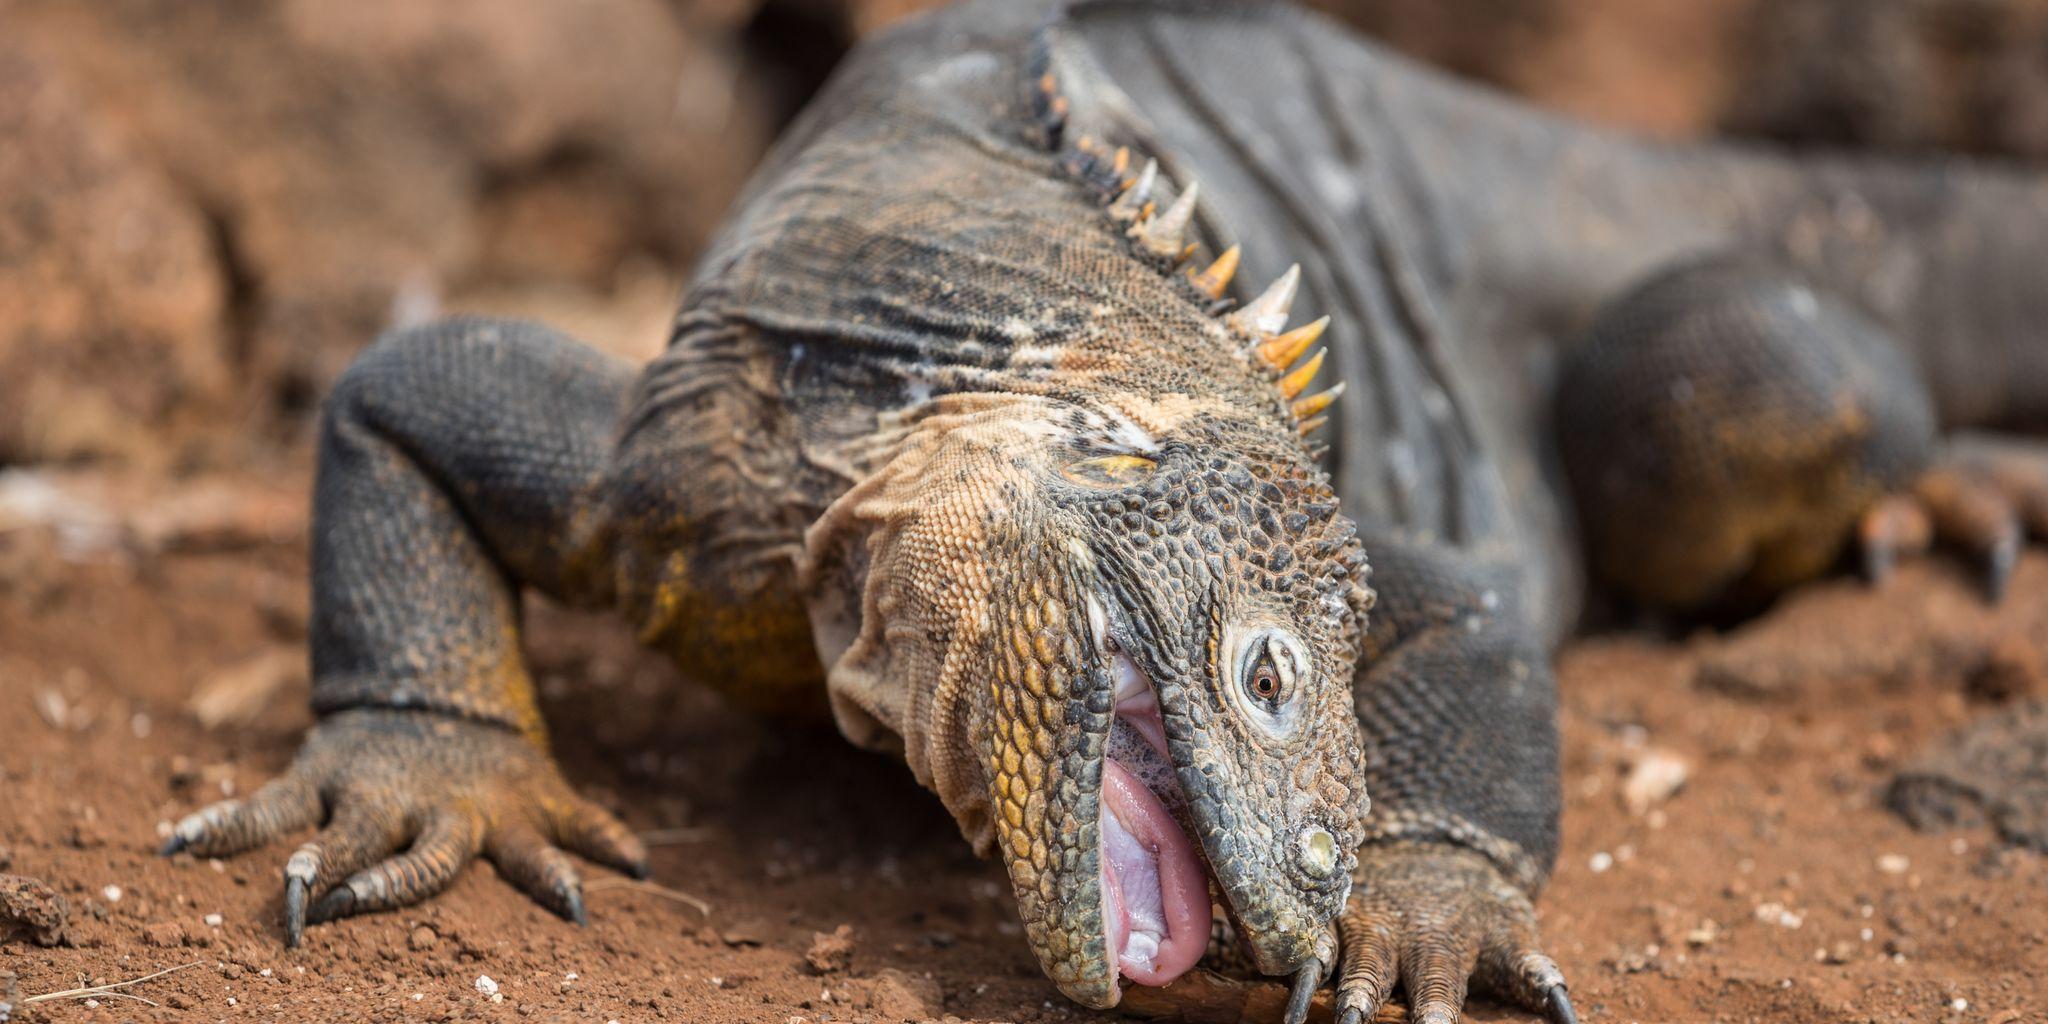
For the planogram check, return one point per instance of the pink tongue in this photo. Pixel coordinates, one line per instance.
(1150, 878)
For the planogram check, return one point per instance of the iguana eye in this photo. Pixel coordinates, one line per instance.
(1272, 667)
(1108, 471)
(1265, 682)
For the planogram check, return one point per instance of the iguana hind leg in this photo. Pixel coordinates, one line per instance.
(1729, 430)
(1723, 427)
(456, 465)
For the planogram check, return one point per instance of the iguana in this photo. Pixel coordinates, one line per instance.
(968, 432)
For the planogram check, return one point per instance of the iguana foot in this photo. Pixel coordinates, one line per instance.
(441, 790)
(1982, 498)
(1432, 917)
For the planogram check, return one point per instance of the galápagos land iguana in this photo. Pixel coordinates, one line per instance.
(968, 432)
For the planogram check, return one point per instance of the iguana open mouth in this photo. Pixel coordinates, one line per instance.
(1155, 891)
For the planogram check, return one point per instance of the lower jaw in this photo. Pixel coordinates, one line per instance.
(1182, 888)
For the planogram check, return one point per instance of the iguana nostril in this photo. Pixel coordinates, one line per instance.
(1318, 853)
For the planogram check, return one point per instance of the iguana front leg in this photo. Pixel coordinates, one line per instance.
(1458, 707)
(457, 463)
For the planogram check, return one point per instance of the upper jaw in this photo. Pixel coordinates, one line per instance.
(1282, 912)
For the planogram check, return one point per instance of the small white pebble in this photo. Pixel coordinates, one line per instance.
(218, 867)
(1654, 777)
(231, 1000)
(418, 996)
(1959, 1005)
(264, 973)
(1894, 864)
(212, 920)
(1959, 846)
(716, 981)
(486, 985)
(571, 976)
(112, 893)
(1600, 862)
(1866, 935)
(1778, 914)
(92, 1004)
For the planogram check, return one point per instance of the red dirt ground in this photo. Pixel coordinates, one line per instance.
(1774, 886)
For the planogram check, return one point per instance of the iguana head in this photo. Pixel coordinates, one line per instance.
(1113, 622)
(1200, 601)
(1087, 575)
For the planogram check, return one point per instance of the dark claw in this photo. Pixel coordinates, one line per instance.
(1351, 1015)
(1305, 982)
(572, 904)
(294, 912)
(335, 905)
(1878, 562)
(1998, 565)
(1560, 1006)
(175, 844)
(641, 869)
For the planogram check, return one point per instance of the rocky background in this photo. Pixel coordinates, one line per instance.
(207, 208)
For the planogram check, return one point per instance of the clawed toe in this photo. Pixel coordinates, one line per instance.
(1306, 980)
(1982, 501)
(283, 805)
(1559, 1010)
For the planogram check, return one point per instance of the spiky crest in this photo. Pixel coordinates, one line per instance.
(1163, 240)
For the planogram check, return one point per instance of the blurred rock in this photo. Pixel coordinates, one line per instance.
(1652, 778)
(830, 951)
(112, 298)
(899, 995)
(232, 197)
(1992, 771)
(1899, 74)
(29, 907)
(236, 694)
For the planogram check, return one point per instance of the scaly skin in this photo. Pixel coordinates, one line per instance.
(964, 407)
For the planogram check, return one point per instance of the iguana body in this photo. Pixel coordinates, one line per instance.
(953, 432)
